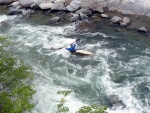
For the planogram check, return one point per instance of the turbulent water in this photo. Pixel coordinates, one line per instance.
(120, 66)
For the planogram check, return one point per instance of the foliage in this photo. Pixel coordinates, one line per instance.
(84, 109)
(15, 91)
(92, 109)
(60, 107)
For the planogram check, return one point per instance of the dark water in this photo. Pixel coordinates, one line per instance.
(120, 65)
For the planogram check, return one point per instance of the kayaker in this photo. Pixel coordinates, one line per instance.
(72, 47)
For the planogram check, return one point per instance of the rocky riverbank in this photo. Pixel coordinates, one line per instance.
(84, 13)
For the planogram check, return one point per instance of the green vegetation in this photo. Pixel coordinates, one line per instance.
(85, 109)
(15, 91)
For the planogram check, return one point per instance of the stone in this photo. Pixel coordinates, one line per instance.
(74, 5)
(143, 29)
(60, 1)
(46, 5)
(126, 20)
(6, 1)
(116, 102)
(83, 17)
(58, 6)
(116, 20)
(104, 16)
(15, 3)
(97, 6)
(123, 24)
(67, 2)
(26, 3)
(75, 18)
(84, 11)
(54, 20)
(14, 12)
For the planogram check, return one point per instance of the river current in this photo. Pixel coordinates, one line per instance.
(120, 65)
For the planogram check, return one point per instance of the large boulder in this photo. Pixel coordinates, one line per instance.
(6, 1)
(84, 11)
(54, 20)
(97, 6)
(116, 20)
(83, 17)
(67, 2)
(126, 20)
(26, 3)
(143, 29)
(58, 6)
(74, 5)
(75, 18)
(46, 5)
(116, 102)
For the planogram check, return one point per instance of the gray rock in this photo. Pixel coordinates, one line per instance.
(14, 12)
(35, 6)
(83, 17)
(54, 20)
(126, 20)
(15, 4)
(26, 3)
(116, 20)
(123, 24)
(60, 1)
(74, 5)
(67, 2)
(46, 5)
(6, 1)
(116, 102)
(75, 18)
(97, 6)
(27, 12)
(84, 11)
(143, 29)
(104, 16)
(58, 6)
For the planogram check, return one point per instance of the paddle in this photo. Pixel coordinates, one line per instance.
(68, 44)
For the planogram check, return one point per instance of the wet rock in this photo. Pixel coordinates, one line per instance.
(126, 20)
(74, 5)
(116, 20)
(84, 11)
(6, 1)
(75, 18)
(83, 17)
(15, 4)
(97, 6)
(116, 102)
(104, 16)
(35, 6)
(143, 29)
(54, 20)
(26, 12)
(123, 24)
(58, 6)
(69, 29)
(44, 6)
(83, 26)
(26, 3)
(14, 12)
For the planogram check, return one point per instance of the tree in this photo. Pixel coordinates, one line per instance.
(85, 109)
(15, 91)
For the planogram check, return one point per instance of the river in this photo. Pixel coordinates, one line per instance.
(120, 65)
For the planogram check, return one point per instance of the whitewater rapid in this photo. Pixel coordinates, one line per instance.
(118, 67)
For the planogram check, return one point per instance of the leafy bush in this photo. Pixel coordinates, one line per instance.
(15, 92)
